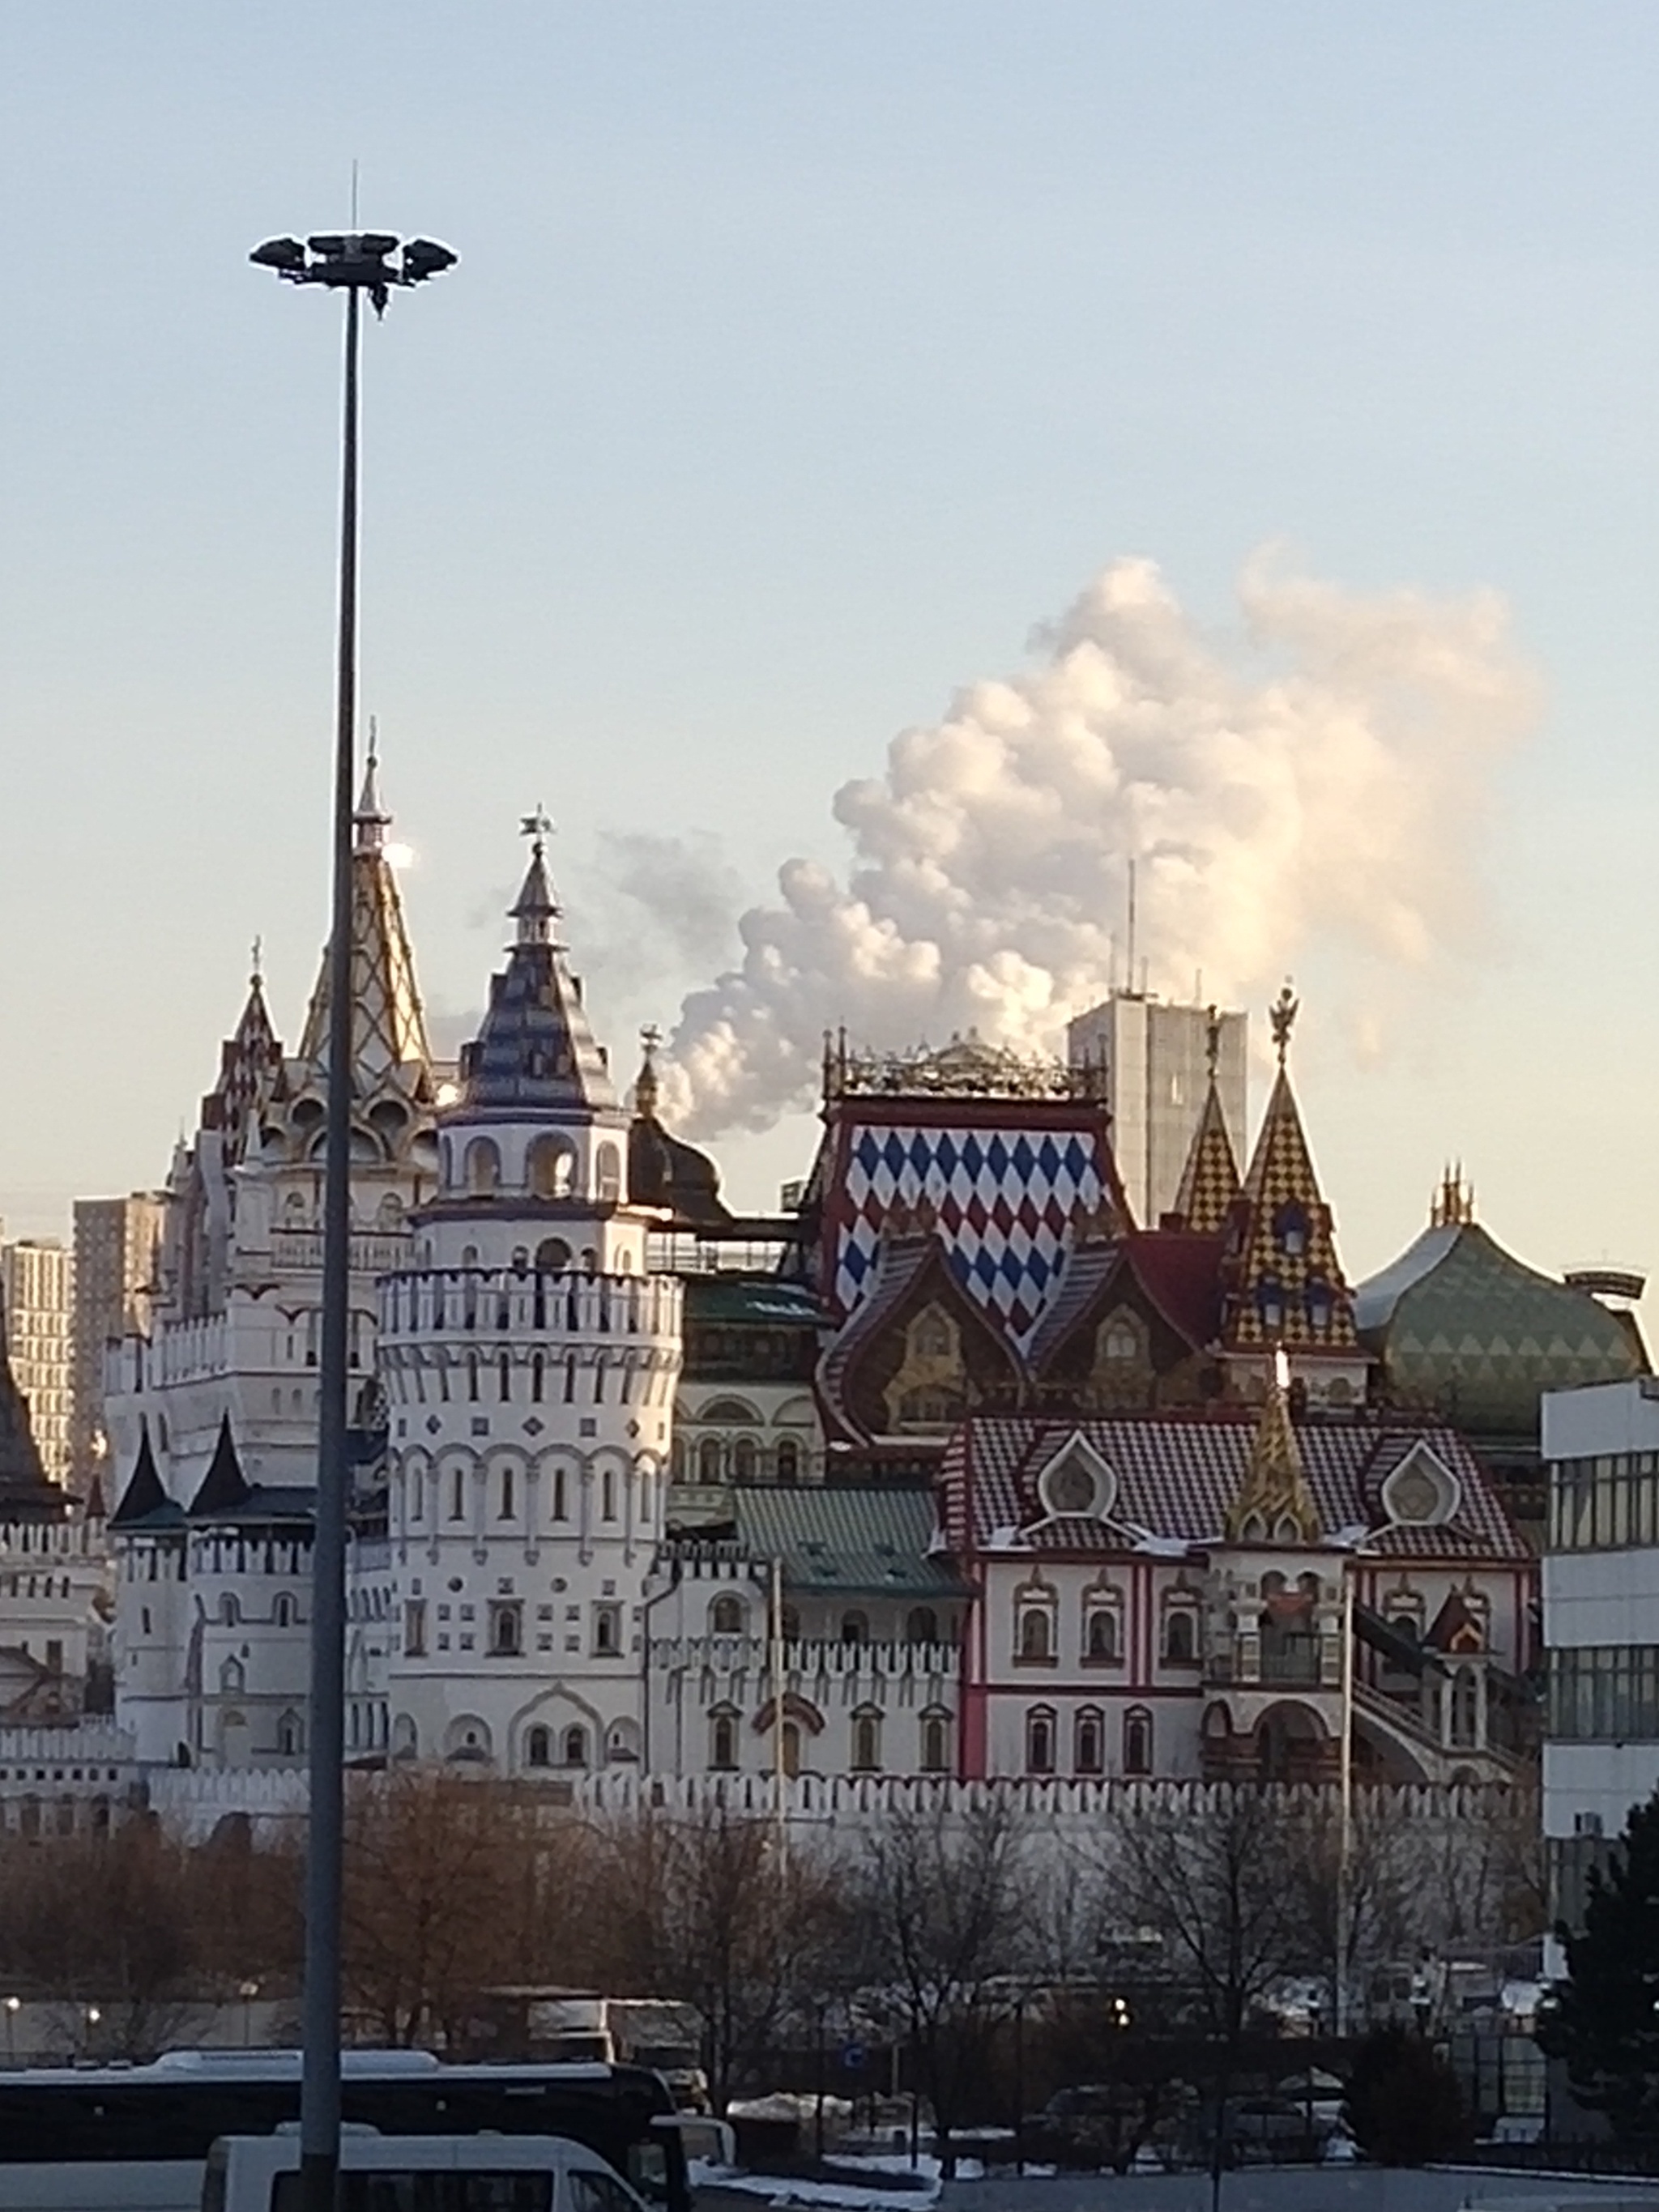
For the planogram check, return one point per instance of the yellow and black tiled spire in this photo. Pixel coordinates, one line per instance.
(1209, 1182)
(1286, 1285)
(1274, 1503)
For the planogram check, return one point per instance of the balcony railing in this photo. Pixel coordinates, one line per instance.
(807, 1657)
(500, 1301)
(301, 1250)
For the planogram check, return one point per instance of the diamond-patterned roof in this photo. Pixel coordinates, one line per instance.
(1177, 1474)
(1287, 1282)
(1209, 1182)
(1462, 1326)
(388, 1026)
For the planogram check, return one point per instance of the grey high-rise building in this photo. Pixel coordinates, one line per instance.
(116, 1244)
(1157, 1060)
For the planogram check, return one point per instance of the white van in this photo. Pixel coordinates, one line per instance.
(419, 2174)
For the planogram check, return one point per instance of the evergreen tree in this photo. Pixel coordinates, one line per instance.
(1405, 2104)
(1604, 2019)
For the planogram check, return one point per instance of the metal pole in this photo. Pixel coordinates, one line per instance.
(1345, 1839)
(779, 1770)
(319, 2094)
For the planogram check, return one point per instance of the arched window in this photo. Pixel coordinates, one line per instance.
(935, 1743)
(551, 1164)
(1040, 1740)
(506, 1494)
(576, 1746)
(787, 1461)
(552, 1257)
(608, 1493)
(233, 1679)
(290, 1735)
(866, 1742)
(725, 1617)
(283, 1611)
(538, 1747)
(1137, 1741)
(745, 1459)
(708, 1460)
(458, 1494)
(855, 1628)
(504, 1377)
(1120, 1341)
(1102, 1641)
(791, 1624)
(1181, 1636)
(1291, 1230)
(607, 1174)
(556, 1509)
(723, 1739)
(931, 1335)
(230, 1612)
(1089, 1743)
(1466, 1709)
(537, 1375)
(1270, 1303)
(483, 1168)
(1036, 1633)
(922, 1626)
(791, 1749)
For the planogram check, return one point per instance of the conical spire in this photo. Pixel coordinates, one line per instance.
(224, 1487)
(248, 1059)
(1209, 1182)
(536, 1049)
(388, 1026)
(1285, 1284)
(1274, 1503)
(371, 821)
(144, 1493)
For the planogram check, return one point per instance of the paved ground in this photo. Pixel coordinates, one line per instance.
(1306, 2189)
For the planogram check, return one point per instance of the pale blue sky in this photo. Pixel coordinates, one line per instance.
(799, 360)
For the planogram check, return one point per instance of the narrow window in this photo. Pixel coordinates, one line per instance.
(867, 1742)
(507, 1494)
(1040, 1742)
(458, 1495)
(504, 1369)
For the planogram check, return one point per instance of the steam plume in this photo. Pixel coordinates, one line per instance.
(1324, 780)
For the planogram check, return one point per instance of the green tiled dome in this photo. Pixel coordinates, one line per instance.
(1459, 1325)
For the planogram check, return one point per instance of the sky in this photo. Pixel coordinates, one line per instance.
(801, 365)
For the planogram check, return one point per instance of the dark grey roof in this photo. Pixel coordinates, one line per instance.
(535, 1048)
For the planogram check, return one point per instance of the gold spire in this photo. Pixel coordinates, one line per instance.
(1453, 1205)
(1274, 1504)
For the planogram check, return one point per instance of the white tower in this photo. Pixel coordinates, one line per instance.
(529, 1362)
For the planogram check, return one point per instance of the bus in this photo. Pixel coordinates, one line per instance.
(95, 2138)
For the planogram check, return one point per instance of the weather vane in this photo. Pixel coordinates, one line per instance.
(1282, 1014)
(535, 826)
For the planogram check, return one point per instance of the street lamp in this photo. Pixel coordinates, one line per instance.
(354, 262)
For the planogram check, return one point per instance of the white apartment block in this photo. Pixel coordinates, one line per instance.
(37, 1284)
(1601, 1600)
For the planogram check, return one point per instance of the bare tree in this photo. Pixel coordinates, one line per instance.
(1225, 1887)
(433, 1901)
(707, 1909)
(945, 1907)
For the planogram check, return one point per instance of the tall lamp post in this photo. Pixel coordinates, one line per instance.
(353, 263)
